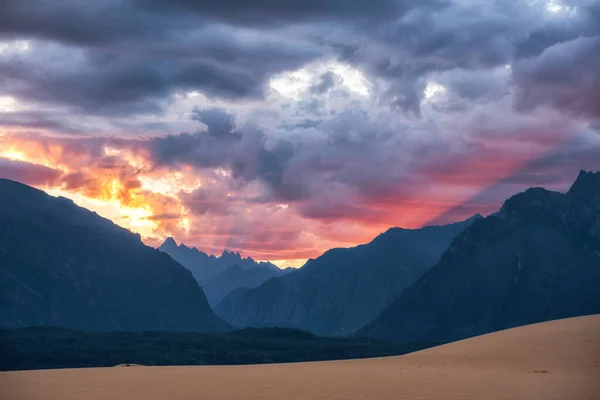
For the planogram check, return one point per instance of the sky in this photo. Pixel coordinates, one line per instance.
(281, 129)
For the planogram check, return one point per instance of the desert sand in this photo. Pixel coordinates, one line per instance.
(553, 360)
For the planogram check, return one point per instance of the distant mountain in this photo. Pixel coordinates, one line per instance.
(234, 277)
(344, 288)
(65, 266)
(219, 276)
(538, 259)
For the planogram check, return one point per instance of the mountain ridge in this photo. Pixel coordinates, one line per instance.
(538, 259)
(220, 275)
(66, 266)
(344, 287)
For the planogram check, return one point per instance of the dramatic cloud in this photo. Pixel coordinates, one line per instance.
(281, 129)
(274, 12)
(133, 79)
(31, 173)
(218, 122)
(564, 76)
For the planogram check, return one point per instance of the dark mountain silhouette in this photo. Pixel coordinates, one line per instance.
(219, 276)
(343, 288)
(234, 277)
(65, 266)
(538, 259)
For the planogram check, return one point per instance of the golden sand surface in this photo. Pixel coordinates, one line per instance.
(553, 360)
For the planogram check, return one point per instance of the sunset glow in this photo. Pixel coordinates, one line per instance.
(156, 202)
(281, 141)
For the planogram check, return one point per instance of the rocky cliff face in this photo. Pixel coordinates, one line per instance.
(344, 288)
(62, 265)
(538, 259)
(219, 276)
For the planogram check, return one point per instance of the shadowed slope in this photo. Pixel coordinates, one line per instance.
(62, 265)
(538, 259)
(344, 288)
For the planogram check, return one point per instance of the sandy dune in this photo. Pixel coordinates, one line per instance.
(554, 360)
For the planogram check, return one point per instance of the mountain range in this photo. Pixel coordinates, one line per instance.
(344, 288)
(219, 276)
(62, 265)
(538, 259)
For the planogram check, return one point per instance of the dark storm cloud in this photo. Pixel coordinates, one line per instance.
(560, 166)
(77, 21)
(476, 85)
(213, 199)
(247, 156)
(464, 36)
(586, 22)
(304, 124)
(141, 79)
(405, 93)
(130, 56)
(356, 157)
(208, 149)
(97, 64)
(290, 172)
(121, 87)
(478, 36)
(456, 36)
(564, 76)
(219, 123)
(327, 81)
(108, 21)
(38, 120)
(558, 64)
(28, 173)
(272, 163)
(273, 11)
(117, 57)
(197, 149)
(110, 58)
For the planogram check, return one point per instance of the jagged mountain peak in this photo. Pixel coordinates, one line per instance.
(231, 254)
(586, 188)
(535, 203)
(219, 275)
(588, 178)
(536, 260)
(343, 288)
(169, 242)
(475, 217)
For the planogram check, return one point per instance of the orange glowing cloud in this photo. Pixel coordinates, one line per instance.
(207, 207)
(116, 180)
(97, 177)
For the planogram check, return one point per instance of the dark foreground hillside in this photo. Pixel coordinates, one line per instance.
(64, 266)
(46, 348)
(537, 260)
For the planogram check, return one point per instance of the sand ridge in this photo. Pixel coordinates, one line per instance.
(553, 360)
